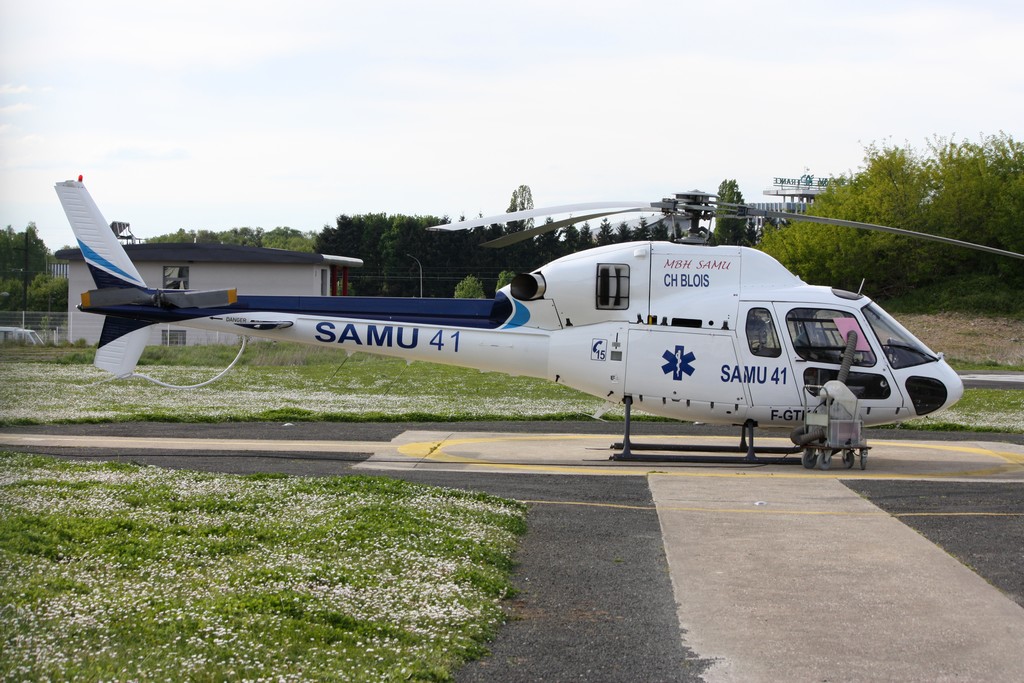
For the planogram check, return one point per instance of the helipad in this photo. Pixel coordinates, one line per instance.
(589, 454)
(581, 454)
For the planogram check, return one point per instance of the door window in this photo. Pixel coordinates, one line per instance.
(819, 334)
(762, 339)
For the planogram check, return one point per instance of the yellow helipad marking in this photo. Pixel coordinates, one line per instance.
(1017, 458)
(435, 451)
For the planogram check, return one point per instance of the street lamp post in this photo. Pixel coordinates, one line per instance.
(421, 272)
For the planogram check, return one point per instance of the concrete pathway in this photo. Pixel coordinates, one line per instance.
(777, 579)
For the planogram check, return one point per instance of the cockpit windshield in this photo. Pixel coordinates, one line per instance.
(901, 348)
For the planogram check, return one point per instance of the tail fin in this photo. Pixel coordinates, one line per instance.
(122, 341)
(121, 354)
(106, 258)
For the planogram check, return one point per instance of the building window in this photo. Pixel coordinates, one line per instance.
(612, 286)
(172, 337)
(175, 277)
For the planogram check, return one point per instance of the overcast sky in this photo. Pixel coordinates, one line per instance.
(192, 114)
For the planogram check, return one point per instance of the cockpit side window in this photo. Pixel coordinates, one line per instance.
(612, 286)
(762, 339)
(819, 334)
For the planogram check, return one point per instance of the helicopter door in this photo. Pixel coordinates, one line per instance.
(673, 371)
(764, 368)
(818, 338)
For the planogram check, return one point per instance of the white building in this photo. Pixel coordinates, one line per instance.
(250, 270)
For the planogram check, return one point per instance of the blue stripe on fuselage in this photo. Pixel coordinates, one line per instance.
(520, 317)
(474, 313)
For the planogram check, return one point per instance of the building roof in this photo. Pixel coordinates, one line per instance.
(217, 253)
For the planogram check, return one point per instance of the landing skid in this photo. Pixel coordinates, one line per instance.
(627, 449)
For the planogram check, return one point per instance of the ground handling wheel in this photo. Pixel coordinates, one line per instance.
(848, 458)
(808, 458)
(824, 459)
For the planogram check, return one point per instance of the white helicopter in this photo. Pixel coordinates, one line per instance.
(683, 330)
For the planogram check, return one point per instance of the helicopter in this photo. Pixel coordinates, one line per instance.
(679, 329)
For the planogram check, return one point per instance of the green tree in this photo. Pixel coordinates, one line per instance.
(570, 239)
(520, 253)
(659, 231)
(470, 288)
(48, 293)
(342, 239)
(23, 257)
(10, 294)
(182, 236)
(245, 237)
(642, 231)
(977, 194)
(546, 247)
(405, 237)
(290, 239)
(738, 231)
(586, 240)
(965, 190)
(504, 278)
(522, 200)
(888, 191)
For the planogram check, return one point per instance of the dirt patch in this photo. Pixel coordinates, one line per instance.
(970, 338)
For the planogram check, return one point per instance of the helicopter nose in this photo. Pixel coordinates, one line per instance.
(954, 387)
(935, 392)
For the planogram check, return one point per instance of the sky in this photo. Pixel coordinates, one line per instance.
(199, 114)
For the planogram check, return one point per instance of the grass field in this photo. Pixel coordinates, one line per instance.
(360, 388)
(119, 572)
(288, 382)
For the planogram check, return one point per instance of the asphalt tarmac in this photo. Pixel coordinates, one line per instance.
(993, 379)
(912, 569)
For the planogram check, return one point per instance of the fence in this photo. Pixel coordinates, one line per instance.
(51, 327)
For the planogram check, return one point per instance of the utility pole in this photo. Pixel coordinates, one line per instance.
(421, 272)
(24, 283)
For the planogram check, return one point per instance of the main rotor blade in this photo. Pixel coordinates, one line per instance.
(614, 207)
(750, 211)
(523, 235)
